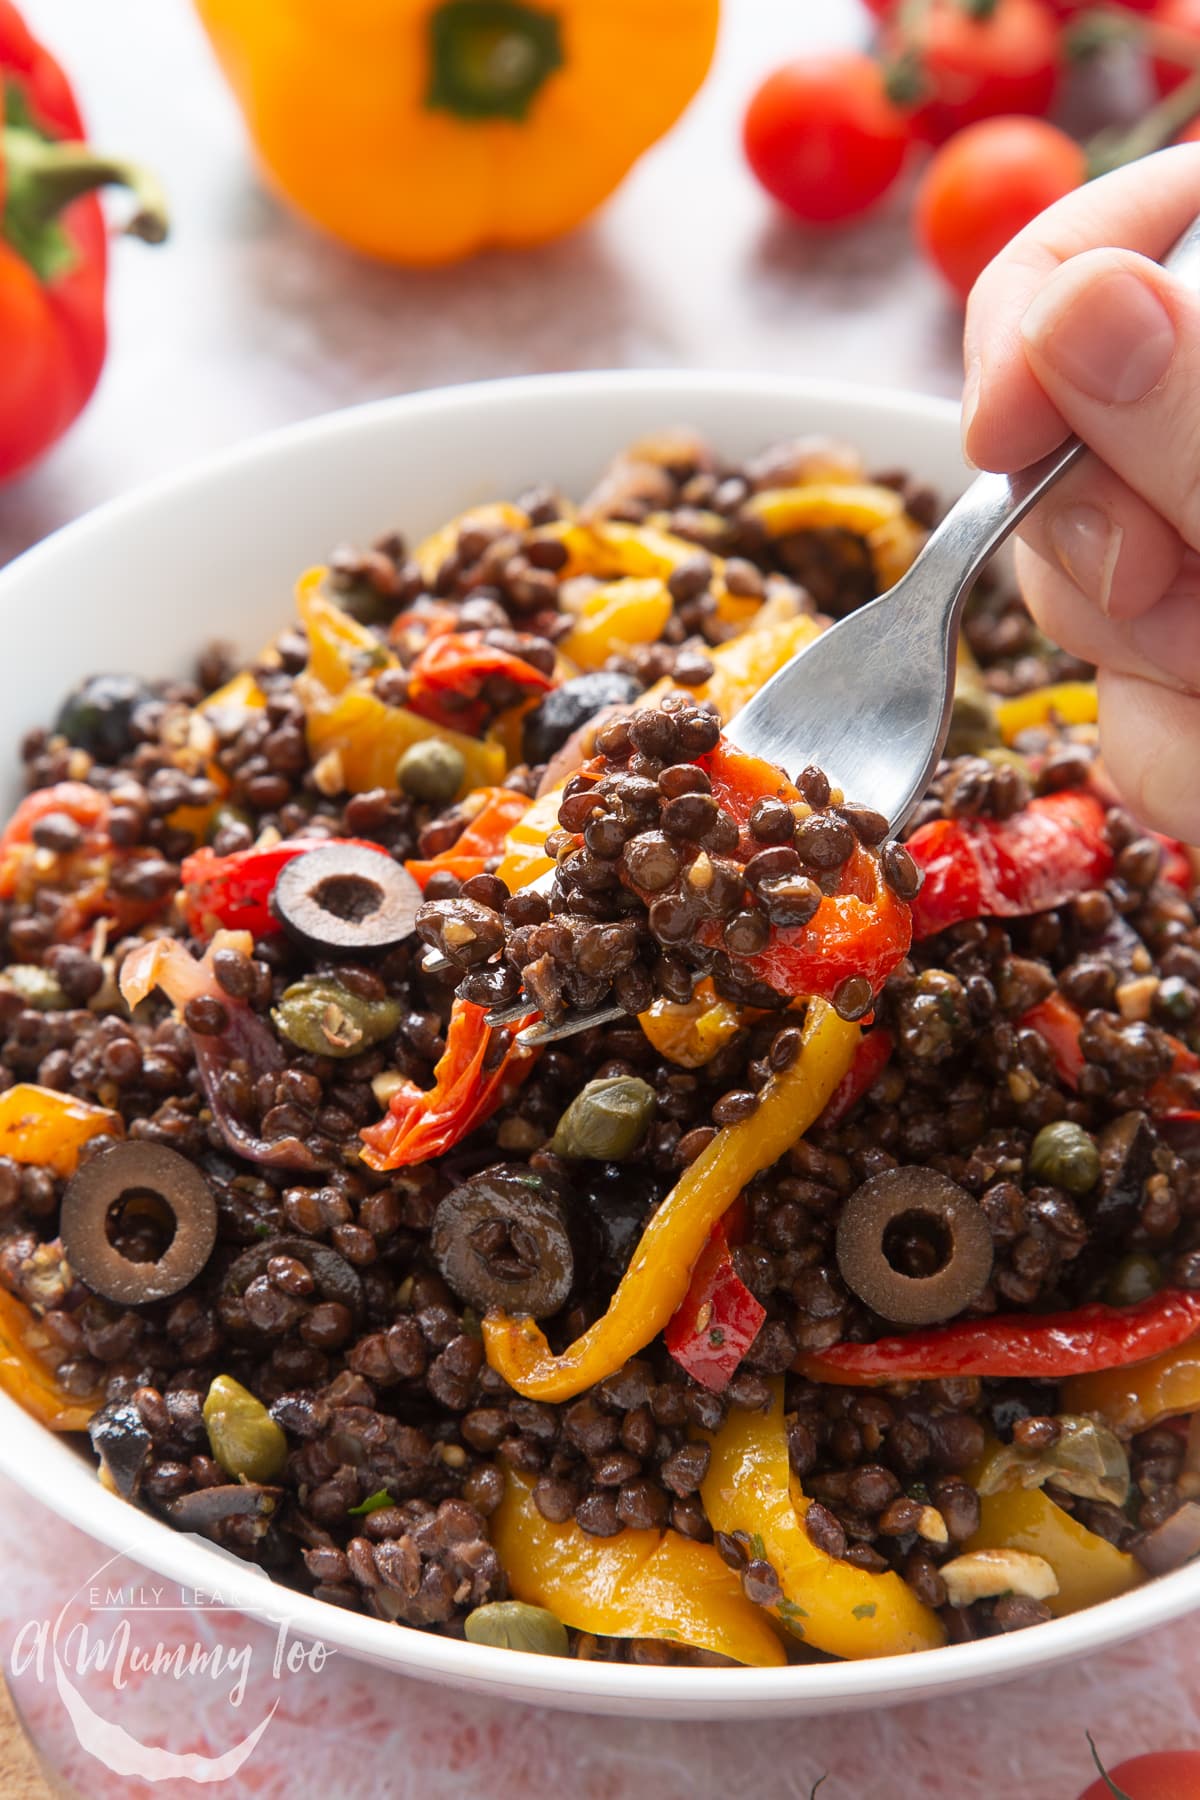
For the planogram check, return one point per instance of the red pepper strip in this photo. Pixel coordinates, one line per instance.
(234, 892)
(862, 930)
(1042, 1346)
(425, 1122)
(1060, 1024)
(412, 629)
(447, 680)
(53, 248)
(870, 1060)
(482, 839)
(1176, 863)
(87, 806)
(979, 868)
(1057, 1021)
(718, 1319)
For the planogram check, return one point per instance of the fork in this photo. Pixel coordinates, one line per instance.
(869, 700)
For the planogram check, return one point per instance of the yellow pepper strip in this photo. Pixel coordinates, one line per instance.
(1070, 702)
(1088, 1567)
(741, 666)
(525, 856)
(432, 551)
(615, 618)
(657, 1278)
(346, 719)
(608, 548)
(648, 1584)
(241, 692)
(1136, 1397)
(873, 513)
(28, 1377)
(691, 1032)
(830, 1604)
(39, 1125)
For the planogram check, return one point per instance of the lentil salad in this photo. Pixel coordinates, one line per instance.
(338, 1372)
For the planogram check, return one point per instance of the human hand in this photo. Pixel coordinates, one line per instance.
(1065, 333)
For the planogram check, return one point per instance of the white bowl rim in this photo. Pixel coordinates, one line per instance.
(583, 1686)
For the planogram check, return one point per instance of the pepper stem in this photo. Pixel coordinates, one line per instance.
(43, 175)
(1111, 150)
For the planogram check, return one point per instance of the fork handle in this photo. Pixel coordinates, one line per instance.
(993, 505)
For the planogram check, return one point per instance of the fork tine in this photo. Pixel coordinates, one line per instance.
(542, 1033)
(434, 963)
(508, 1015)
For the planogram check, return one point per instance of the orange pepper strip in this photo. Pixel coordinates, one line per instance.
(638, 1584)
(829, 1603)
(39, 1125)
(1134, 1398)
(29, 1379)
(485, 836)
(657, 1279)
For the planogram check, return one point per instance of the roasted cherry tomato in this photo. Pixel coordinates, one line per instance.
(1162, 1775)
(1183, 18)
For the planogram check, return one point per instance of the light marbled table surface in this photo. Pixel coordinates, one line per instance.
(247, 321)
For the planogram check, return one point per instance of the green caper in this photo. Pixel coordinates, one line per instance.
(606, 1120)
(431, 770)
(1135, 1278)
(973, 726)
(38, 988)
(321, 1016)
(1065, 1156)
(512, 1625)
(243, 1436)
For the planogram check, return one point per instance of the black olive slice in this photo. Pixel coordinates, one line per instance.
(120, 1187)
(207, 1509)
(343, 897)
(914, 1245)
(501, 1239)
(568, 707)
(334, 1278)
(123, 1445)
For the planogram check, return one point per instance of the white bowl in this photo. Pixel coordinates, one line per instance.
(141, 583)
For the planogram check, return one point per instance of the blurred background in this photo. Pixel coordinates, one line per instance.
(247, 318)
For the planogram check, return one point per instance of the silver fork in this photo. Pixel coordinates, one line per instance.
(869, 700)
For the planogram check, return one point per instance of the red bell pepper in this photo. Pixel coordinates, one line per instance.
(1051, 850)
(864, 929)
(425, 1122)
(1041, 1347)
(481, 840)
(1176, 863)
(449, 676)
(53, 247)
(234, 892)
(870, 1060)
(718, 1319)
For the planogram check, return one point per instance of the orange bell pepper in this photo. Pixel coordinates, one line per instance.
(829, 1603)
(1088, 1567)
(690, 1032)
(646, 1584)
(658, 1277)
(28, 1377)
(41, 1126)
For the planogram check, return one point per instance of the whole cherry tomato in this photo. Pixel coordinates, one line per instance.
(1182, 17)
(982, 187)
(976, 63)
(824, 139)
(1163, 1775)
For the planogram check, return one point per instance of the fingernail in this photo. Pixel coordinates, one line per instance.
(970, 398)
(1087, 544)
(1112, 339)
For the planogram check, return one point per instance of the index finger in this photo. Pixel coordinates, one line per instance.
(1008, 421)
